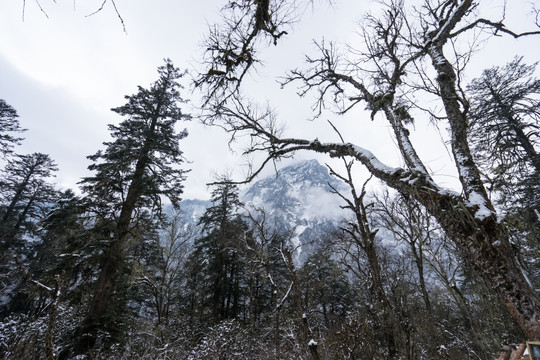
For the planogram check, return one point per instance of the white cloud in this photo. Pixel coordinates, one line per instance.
(63, 74)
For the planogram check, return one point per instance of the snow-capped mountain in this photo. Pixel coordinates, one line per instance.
(302, 188)
(297, 198)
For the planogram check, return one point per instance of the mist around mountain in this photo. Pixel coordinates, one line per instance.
(298, 198)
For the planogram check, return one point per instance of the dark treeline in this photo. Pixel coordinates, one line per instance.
(112, 274)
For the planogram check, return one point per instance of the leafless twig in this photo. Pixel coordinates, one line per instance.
(115, 10)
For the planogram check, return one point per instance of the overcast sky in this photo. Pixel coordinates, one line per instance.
(63, 73)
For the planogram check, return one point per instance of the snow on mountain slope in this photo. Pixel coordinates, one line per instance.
(301, 189)
(297, 198)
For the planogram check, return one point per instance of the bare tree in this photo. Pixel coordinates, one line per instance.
(406, 52)
(271, 252)
(163, 278)
(99, 8)
(363, 237)
(409, 224)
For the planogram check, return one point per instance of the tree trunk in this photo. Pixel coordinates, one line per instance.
(113, 258)
(49, 333)
(520, 351)
(384, 306)
(418, 257)
(484, 243)
(481, 239)
(96, 318)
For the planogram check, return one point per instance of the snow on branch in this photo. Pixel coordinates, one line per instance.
(35, 282)
(448, 24)
(325, 77)
(455, 105)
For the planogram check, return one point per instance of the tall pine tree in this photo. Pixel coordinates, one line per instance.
(217, 259)
(505, 120)
(9, 124)
(132, 175)
(505, 134)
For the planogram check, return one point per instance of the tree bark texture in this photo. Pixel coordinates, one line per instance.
(482, 239)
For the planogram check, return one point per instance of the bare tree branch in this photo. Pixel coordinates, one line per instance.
(385, 76)
(496, 27)
(231, 47)
(115, 10)
(99, 9)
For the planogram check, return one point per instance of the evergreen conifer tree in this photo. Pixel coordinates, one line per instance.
(9, 124)
(217, 256)
(25, 194)
(505, 134)
(25, 197)
(131, 177)
(505, 120)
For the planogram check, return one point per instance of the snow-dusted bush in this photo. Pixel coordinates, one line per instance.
(227, 340)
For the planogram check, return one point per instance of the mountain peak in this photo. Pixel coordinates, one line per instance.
(302, 175)
(299, 188)
(298, 197)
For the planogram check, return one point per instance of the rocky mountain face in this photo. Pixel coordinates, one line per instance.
(297, 198)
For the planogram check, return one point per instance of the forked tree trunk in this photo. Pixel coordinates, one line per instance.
(482, 240)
